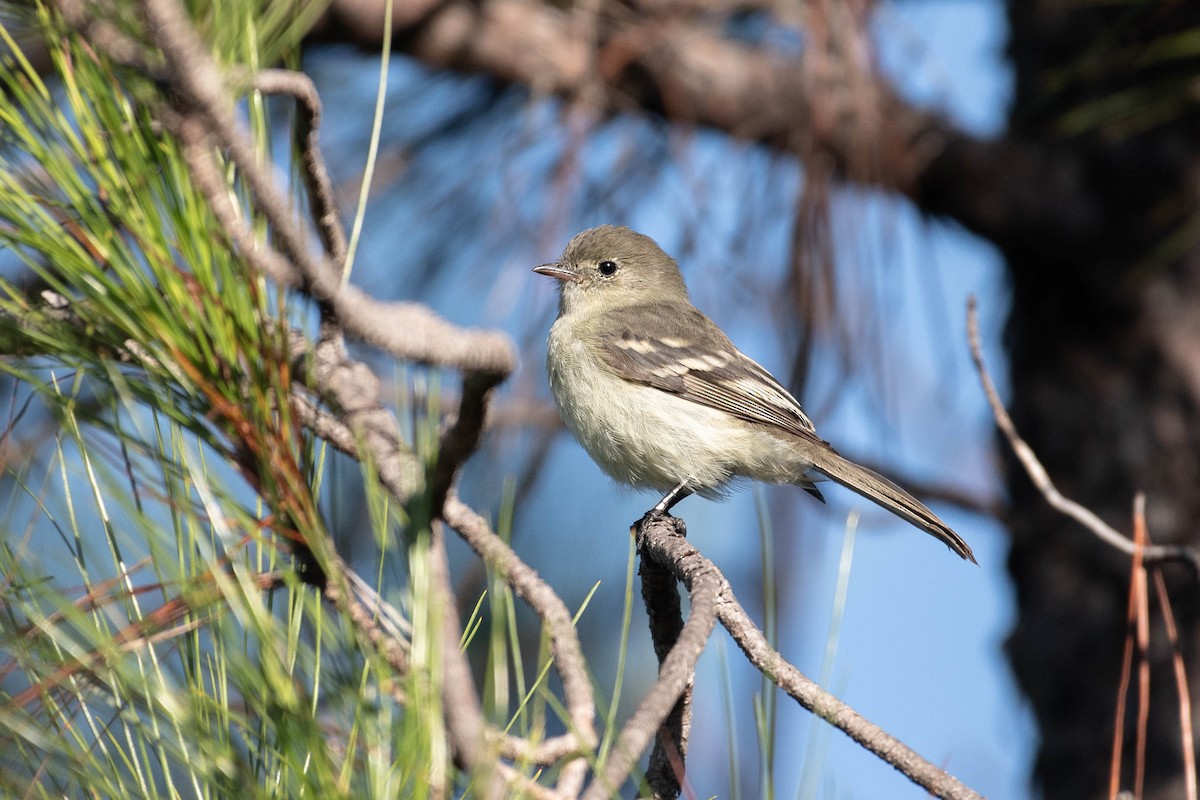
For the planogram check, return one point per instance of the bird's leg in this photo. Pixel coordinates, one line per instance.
(671, 498)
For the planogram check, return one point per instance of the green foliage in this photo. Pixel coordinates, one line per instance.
(158, 640)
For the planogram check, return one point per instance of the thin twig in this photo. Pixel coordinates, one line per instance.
(545, 753)
(1141, 598)
(1134, 606)
(316, 177)
(564, 643)
(381, 622)
(1041, 479)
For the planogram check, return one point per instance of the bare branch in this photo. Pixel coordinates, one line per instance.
(198, 153)
(355, 390)
(1041, 479)
(460, 437)
(568, 655)
(308, 122)
(201, 93)
(406, 330)
(545, 753)
(672, 58)
(668, 60)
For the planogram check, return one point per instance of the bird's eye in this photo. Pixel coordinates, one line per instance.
(608, 267)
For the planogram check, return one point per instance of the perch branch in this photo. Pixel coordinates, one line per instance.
(659, 539)
(674, 552)
(660, 595)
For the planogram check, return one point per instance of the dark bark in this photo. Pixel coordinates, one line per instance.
(1100, 381)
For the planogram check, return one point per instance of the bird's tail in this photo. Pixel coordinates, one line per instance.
(880, 490)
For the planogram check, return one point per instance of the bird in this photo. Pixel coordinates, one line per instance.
(661, 399)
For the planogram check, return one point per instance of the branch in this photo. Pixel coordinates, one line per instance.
(1041, 479)
(204, 117)
(687, 564)
(406, 330)
(354, 390)
(465, 724)
(381, 623)
(659, 540)
(676, 63)
(661, 598)
(568, 654)
(460, 437)
(308, 121)
(353, 386)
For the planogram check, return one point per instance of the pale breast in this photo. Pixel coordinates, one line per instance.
(646, 437)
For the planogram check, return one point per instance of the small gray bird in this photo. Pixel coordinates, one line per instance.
(661, 399)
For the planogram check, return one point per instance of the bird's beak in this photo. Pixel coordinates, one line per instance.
(558, 271)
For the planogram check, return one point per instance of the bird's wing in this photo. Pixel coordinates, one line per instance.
(680, 350)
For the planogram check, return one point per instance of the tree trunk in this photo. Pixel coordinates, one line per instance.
(1104, 338)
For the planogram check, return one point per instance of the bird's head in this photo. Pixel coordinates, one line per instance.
(611, 266)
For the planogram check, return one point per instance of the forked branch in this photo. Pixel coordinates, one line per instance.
(658, 539)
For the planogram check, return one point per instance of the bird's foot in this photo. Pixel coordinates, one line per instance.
(655, 516)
